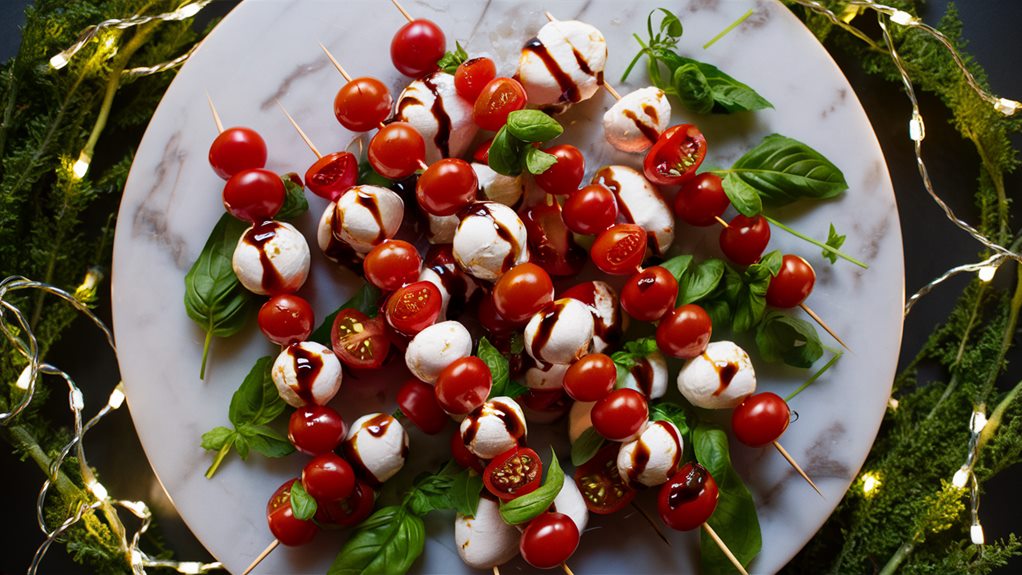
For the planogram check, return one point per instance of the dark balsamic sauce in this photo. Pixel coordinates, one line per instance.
(481, 209)
(258, 236)
(569, 90)
(642, 371)
(371, 203)
(377, 425)
(338, 250)
(689, 489)
(443, 121)
(649, 132)
(551, 314)
(307, 367)
(640, 458)
(725, 371)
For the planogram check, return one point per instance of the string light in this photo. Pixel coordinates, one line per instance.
(984, 269)
(870, 483)
(81, 165)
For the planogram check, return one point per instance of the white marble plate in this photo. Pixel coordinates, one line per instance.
(268, 49)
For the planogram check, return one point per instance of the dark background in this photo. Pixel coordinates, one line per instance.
(932, 245)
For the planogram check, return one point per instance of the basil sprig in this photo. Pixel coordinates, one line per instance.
(303, 505)
(512, 151)
(451, 60)
(781, 337)
(500, 371)
(529, 506)
(586, 446)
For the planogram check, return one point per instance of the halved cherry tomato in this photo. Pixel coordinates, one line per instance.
(565, 176)
(416, 47)
(760, 419)
(685, 332)
(522, 291)
(392, 264)
(350, 511)
(417, 400)
(619, 250)
(513, 473)
(792, 284)
(688, 499)
(358, 341)
(446, 187)
(284, 526)
(472, 76)
(463, 385)
(602, 487)
(396, 151)
(332, 175)
(675, 156)
(286, 318)
(551, 244)
(499, 98)
(462, 456)
(744, 239)
(362, 104)
(590, 210)
(414, 307)
(701, 200)
(237, 149)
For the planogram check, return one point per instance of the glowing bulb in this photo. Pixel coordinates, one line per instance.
(961, 477)
(116, 397)
(1003, 105)
(109, 42)
(903, 18)
(978, 421)
(59, 61)
(870, 483)
(136, 557)
(81, 166)
(986, 273)
(892, 403)
(188, 10)
(77, 400)
(976, 532)
(916, 130)
(189, 567)
(98, 490)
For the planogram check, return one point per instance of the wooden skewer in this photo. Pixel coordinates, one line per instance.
(721, 221)
(402, 10)
(269, 549)
(336, 64)
(606, 86)
(496, 570)
(567, 570)
(823, 324)
(216, 116)
(723, 547)
(301, 133)
(650, 519)
(794, 464)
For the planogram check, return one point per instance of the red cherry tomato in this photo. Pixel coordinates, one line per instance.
(619, 250)
(463, 385)
(417, 401)
(392, 264)
(362, 104)
(417, 47)
(688, 499)
(396, 151)
(491, 319)
(446, 187)
(590, 210)
(675, 156)
(283, 524)
(701, 200)
(744, 239)
(315, 429)
(522, 291)
(549, 540)
(472, 76)
(350, 511)
(499, 98)
(547, 404)
(254, 195)
(602, 487)
(760, 419)
(792, 284)
(482, 153)
(684, 332)
(649, 294)
(358, 341)
(462, 456)
(513, 473)
(565, 176)
(590, 378)
(620, 415)
(332, 175)
(414, 307)
(235, 150)
(551, 244)
(286, 318)
(328, 477)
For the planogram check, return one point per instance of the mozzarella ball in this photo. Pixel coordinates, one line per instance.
(579, 419)
(490, 240)
(454, 285)
(563, 49)
(634, 123)
(720, 378)
(602, 301)
(639, 202)
(494, 427)
(271, 257)
(648, 375)
(507, 190)
(545, 376)
(569, 501)
(436, 347)
(653, 457)
(363, 218)
(447, 128)
(378, 444)
(442, 228)
(485, 541)
(306, 373)
(559, 333)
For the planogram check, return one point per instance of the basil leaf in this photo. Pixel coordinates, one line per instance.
(529, 506)
(506, 153)
(387, 543)
(265, 441)
(451, 60)
(500, 370)
(734, 519)
(295, 203)
(743, 197)
(533, 126)
(670, 25)
(781, 337)
(368, 176)
(672, 412)
(256, 401)
(214, 298)
(783, 170)
(750, 305)
(634, 350)
(303, 505)
(216, 438)
(718, 310)
(729, 95)
(537, 161)
(366, 300)
(677, 265)
(834, 240)
(586, 446)
(464, 493)
(701, 281)
(767, 266)
(692, 88)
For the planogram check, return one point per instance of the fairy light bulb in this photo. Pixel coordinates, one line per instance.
(978, 421)
(81, 165)
(97, 489)
(1006, 106)
(58, 61)
(986, 273)
(870, 483)
(916, 128)
(189, 10)
(116, 397)
(189, 567)
(976, 533)
(961, 477)
(903, 18)
(25, 378)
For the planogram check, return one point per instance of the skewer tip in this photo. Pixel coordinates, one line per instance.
(402, 10)
(724, 548)
(823, 324)
(216, 116)
(798, 468)
(259, 559)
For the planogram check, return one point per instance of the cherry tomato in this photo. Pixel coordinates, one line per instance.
(551, 244)
(254, 195)
(417, 401)
(522, 291)
(392, 264)
(620, 415)
(744, 239)
(619, 250)
(549, 540)
(332, 175)
(590, 378)
(463, 385)
(414, 307)
(602, 487)
(462, 456)
(684, 332)
(362, 104)
(328, 477)
(417, 47)
(499, 98)
(792, 284)
(350, 511)
(235, 150)
(396, 151)
(701, 200)
(544, 405)
(590, 210)
(565, 176)
(358, 341)
(649, 294)
(491, 319)
(482, 153)
(286, 318)
(446, 187)
(472, 76)
(675, 156)
(315, 429)
(760, 419)
(688, 499)
(513, 473)
(287, 528)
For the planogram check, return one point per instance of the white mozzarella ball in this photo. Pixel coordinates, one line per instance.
(442, 228)
(653, 457)
(546, 376)
(559, 333)
(485, 540)
(634, 123)
(378, 444)
(494, 427)
(447, 129)
(569, 501)
(363, 218)
(507, 190)
(306, 373)
(579, 419)
(462, 288)
(436, 347)
(271, 257)
(720, 378)
(639, 202)
(648, 375)
(490, 240)
(563, 64)
(602, 300)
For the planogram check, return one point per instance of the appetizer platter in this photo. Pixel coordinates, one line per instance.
(507, 286)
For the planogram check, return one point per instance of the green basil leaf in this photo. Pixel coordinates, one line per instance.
(586, 446)
(240, 445)
(719, 311)
(451, 60)
(368, 176)
(266, 441)
(537, 161)
(366, 300)
(216, 438)
(506, 153)
(295, 203)
(834, 240)
(729, 95)
(781, 337)
(387, 543)
(256, 401)
(750, 306)
(303, 505)
(701, 281)
(500, 370)
(767, 266)
(634, 350)
(464, 492)
(670, 25)
(529, 506)
(533, 126)
(743, 197)
(669, 411)
(783, 170)
(734, 519)
(677, 265)
(692, 88)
